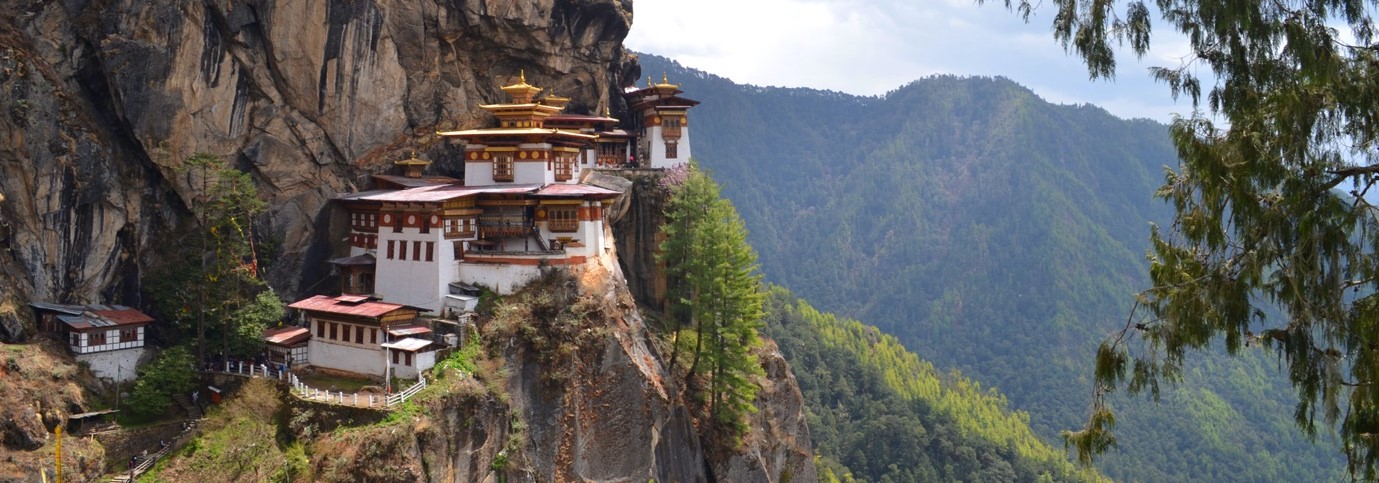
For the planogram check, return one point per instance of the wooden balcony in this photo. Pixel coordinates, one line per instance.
(563, 225)
(491, 229)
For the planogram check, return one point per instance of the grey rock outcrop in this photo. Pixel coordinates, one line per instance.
(778, 447)
(104, 99)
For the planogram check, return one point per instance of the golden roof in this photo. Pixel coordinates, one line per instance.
(521, 92)
(525, 131)
(555, 101)
(412, 161)
(665, 82)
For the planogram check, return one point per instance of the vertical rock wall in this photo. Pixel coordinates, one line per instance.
(103, 99)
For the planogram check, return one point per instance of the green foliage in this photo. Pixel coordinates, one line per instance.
(462, 360)
(718, 291)
(251, 319)
(997, 234)
(170, 373)
(238, 442)
(1259, 219)
(552, 317)
(885, 415)
(215, 285)
(296, 464)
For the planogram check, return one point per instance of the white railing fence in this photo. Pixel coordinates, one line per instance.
(303, 390)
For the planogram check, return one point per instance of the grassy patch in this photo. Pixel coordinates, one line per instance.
(238, 442)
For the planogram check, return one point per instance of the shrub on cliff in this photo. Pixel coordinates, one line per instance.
(170, 373)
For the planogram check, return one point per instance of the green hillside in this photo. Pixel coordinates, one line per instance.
(994, 233)
(880, 413)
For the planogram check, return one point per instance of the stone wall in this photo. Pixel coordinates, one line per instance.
(123, 444)
(117, 365)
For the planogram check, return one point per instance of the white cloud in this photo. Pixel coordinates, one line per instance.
(869, 47)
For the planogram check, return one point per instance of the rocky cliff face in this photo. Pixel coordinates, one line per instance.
(574, 389)
(103, 99)
(638, 226)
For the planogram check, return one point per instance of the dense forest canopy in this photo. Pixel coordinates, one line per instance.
(879, 413)
(993, 233)
(1270, 201)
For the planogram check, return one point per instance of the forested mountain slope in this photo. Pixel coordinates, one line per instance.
(991, 232)
(879, 413)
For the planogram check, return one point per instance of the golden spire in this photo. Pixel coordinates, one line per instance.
(412, 166)
(606, 113)
(665, 84)
(521, 92)
(554, 100)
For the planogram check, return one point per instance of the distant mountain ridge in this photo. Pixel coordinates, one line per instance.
(995, 233)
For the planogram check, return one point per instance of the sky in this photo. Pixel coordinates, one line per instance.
(869, 47)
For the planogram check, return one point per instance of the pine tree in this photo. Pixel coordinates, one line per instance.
(717, 290)
(1273, 202)
(217, 285)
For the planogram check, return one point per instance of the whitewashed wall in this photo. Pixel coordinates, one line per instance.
(116, 365)
(418, 283)
(326, 353)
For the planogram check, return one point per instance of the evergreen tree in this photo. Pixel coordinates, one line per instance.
(217, 285)
(170, 373)
(1262, 221)
(717, 289)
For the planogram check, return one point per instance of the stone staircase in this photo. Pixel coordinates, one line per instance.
(185, 402)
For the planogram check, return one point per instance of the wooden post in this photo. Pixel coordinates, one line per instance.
(59, 453)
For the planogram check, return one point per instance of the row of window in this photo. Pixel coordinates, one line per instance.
(670, 127)
(397, 250)
(613, 149)
(345, 332)
(502, 168)
(350, 333)
(400, 220)
(100, 338)
(364, 221)
(364, 241)
(563, 219)
(564, 168)
(459, 228)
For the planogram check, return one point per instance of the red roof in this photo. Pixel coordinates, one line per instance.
(409, 329)
(124, 317)
(409, 182)
(581, 190)
(616, 133)
(447, 192)
(286, 336)
(333, 305)
(409, 344)
(365, 259)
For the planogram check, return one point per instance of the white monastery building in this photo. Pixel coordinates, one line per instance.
(358, 334)
(417, 241)
(109, 338)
